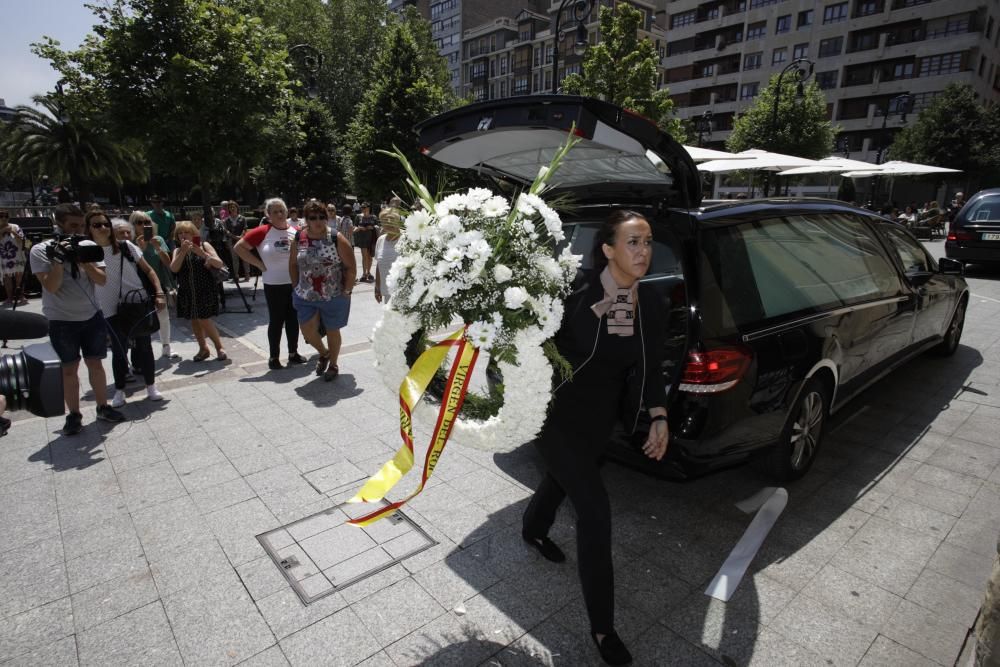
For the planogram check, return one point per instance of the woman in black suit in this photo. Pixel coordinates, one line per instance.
(612, 334)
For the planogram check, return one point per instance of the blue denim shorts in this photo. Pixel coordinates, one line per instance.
(334, 312)
(69, 339)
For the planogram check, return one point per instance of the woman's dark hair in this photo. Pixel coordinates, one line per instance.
(606, 234)
(98, 213)
(313, 206)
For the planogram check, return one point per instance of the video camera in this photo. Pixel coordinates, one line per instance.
(31, 379)
(67, 249)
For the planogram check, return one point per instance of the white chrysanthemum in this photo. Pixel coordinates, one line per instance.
(453, 255)
(524, 206)
(476, 197)
(550, 267)
(514, 297)
(495, 207)
(450, 224)
(482, 334)
(417, 225)
(441, 209)
(456, 202)
(502, 273)
(528, 226)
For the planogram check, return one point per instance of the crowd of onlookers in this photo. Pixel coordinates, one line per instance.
(305, 258)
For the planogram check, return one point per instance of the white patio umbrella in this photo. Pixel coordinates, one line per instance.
(755, 160)
(899, 168)
(829, 165)
(699, 154)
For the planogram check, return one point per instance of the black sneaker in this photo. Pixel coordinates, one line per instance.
(296, 358)
(274, 364)
(74, 424)
(109, 414)
(4, 426)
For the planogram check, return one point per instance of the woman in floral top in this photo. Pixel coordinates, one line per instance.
(11, 258)
(321, 264)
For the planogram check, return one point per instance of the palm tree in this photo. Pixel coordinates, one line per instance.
(67, 147)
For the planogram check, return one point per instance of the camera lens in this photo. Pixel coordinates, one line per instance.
(14, 380)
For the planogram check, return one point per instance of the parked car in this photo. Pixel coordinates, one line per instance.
(974, 234)
(780, 310)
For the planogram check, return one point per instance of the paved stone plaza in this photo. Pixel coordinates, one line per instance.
(136, 543)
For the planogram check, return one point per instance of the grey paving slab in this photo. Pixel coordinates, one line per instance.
(115, 533)
(113, 598)
(151, 485)
(217, 624)
(933, 497)
(447, 640)
(262, 578)
(773, 650)
(98, 567)
(970, 458)
(970, 568)
(926, 632)
(169, 526)
(852, 596)
(886, 653)
(975, 532)
(272, 657)
(138, 457)
(237, 526)
(31, 575)
(285, 614)
(397, 610)
(950, 480)
(336, 545)
(220, 496)
(334, 476)
(34, 629)
(456, 578)
(549, 644)
(77, 515)
(830, 633)
(62, 653)
(915, 516)
(339, 640)
(200, 562)
(142, 636)
(886, 555)
(947, 597)
(502, 613)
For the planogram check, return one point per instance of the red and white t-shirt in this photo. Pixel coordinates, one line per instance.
(274, 246)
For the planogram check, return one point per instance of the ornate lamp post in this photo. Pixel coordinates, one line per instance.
(581, 10)
(310, 59)
(902, 105)
(704, 125)
(803, 69)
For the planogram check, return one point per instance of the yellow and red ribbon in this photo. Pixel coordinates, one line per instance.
(411, 390)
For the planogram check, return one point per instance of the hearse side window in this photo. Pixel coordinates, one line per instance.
(772, 267)
(912, 254)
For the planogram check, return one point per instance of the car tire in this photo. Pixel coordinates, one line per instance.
(953, 335)
(792, 456)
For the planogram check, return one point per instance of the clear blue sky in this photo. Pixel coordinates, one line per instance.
(22, 74)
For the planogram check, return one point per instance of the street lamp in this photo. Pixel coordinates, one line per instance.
(803, 68)
(704, 124)
(902, 105)
(312, 62)
(581, 13)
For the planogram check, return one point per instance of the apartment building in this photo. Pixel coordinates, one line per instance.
(865, 53)
(513, 54)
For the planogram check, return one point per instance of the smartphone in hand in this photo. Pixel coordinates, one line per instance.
(147, 233)
(197, 240)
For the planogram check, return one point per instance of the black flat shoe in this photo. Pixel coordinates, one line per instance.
(612, 649)
(546, 547)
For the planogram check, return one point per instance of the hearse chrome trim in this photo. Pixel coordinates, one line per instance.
(754, 335)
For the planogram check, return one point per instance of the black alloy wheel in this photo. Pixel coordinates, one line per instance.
(953, 336)
(800, 440)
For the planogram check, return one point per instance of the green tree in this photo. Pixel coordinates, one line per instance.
(402, 94)
(56, 141)
(801, 127)
(194, 81)
(622, 69)
(956, 131)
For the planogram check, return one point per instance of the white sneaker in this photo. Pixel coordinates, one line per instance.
(119, 399)
(153, 394)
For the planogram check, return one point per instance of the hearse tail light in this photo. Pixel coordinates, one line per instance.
(425, 150)
(716, 370)
(961, 236)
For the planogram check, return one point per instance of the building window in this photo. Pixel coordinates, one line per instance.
(520, 86)
(503, 64)
(707, 70)
(835, 13)
(826, 80)
(779, 56)
(831, 47)
(783, 24)
(922, 100)
(946, 63)
(982, 66)
(989, 28)
(441, 7)
(752, 60)
(868, 7)
(757, 31)
(800, 51)
(684, 18)
(748, 91)
(902, 71)
(754, 4)
(805, 19)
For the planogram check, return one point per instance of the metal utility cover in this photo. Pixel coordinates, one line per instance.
(322, 553)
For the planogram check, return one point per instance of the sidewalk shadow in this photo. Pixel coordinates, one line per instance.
(669, 539)
(326, 394)
(73, 452)
(283, 375)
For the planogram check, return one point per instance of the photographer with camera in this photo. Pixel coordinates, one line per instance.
(68, 267)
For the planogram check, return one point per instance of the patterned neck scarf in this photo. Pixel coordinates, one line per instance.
(618, 304)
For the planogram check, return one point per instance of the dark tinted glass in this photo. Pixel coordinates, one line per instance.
(984, 209)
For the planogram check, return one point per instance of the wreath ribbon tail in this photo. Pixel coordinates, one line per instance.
(456, 390)
(411, 389)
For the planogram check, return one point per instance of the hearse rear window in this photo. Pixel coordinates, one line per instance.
(772, 267)
(985, 209)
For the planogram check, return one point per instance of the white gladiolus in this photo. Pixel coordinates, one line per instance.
(502, 273)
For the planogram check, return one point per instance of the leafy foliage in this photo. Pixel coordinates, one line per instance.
(71, 148)
(955, 131)
(802, 128)
(403, 92)
(622, 69)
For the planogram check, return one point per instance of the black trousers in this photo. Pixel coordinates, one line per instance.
(142, 355)
(281, 315)
(577, 474)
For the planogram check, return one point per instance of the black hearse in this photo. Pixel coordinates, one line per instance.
(781, 310)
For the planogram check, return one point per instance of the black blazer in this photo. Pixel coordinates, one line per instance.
(576, 337)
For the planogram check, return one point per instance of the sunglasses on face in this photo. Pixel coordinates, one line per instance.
(99, 225)
(315, 217)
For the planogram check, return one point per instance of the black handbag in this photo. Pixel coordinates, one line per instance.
(136, 308)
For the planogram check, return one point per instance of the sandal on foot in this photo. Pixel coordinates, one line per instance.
(201, 356)
(322, 363)
(221, 355)
(331, 373)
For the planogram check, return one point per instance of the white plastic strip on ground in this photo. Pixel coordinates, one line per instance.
(772, 503)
